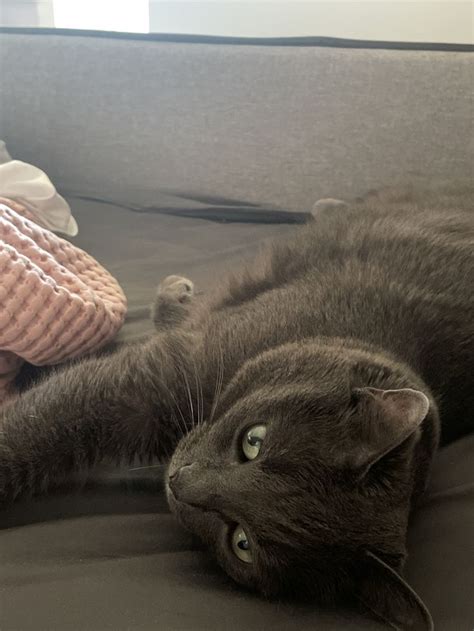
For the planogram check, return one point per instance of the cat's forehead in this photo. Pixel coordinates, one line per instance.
(292, 410)
(288, 373)
(297, 364)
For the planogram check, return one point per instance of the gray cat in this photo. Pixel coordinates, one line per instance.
(299, 407)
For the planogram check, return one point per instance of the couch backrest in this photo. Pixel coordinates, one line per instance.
(144, 120)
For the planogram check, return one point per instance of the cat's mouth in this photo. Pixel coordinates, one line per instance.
(208, 524)
(175, 501)
(179, 504)
(194, 510)
(196, 485)
(174, 486)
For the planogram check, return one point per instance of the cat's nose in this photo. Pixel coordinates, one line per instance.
(180, 479)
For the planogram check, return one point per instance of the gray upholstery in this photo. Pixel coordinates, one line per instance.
(142, 121)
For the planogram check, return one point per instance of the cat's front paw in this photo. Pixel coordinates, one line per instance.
(177, 288)
(173, 303)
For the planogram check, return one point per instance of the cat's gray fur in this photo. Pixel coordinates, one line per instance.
(350, 341)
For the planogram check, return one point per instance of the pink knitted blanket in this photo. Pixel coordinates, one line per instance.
(56, 302)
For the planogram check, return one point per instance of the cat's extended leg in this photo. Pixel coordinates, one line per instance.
(113, 407)
(173, 302)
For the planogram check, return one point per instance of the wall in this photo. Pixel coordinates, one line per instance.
(406, 20)
(402, 20)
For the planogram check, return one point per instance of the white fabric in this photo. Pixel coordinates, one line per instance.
(30, 186)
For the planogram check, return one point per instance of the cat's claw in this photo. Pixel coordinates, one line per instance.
(177, 287)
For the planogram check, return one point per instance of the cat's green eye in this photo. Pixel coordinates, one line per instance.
(241, 545)
(252, 441)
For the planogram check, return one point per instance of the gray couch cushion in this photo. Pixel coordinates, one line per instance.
(147, 121)
(441, 542)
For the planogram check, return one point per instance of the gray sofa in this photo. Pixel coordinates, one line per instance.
(180, 155)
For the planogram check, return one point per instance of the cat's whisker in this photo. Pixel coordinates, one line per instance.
(190, 398)
(219, 382)
(198, 400)
(182, 428)
(199, 394)
(151, 466)
(202, 401)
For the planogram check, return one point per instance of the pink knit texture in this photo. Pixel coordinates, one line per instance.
(56, 301)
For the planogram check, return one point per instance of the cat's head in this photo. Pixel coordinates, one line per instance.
(302, 482)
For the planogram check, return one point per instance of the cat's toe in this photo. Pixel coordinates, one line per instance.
(177, 287)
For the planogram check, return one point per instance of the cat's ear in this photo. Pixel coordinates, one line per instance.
(385, 418)
(386, 594)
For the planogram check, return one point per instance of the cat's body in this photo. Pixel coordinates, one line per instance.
(344, 344)
(400, 279)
